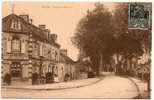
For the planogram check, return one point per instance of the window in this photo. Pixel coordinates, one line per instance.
(13, 24)
(16, 24)
(53, 54)
(44, 50)
(50, 53)
(19, 24)
(16, 45)
(35, 51)
(41, 49)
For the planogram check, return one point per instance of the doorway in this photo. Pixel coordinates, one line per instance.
(16, 70)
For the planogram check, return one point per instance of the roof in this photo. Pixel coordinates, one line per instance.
(65, 59)
(26, 28)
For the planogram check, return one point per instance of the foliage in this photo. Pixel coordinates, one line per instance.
(94, 33)
(102, 34)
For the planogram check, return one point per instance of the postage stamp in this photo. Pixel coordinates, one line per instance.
(139, 15)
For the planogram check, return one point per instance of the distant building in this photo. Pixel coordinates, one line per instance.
(27, 49)
(66, 66)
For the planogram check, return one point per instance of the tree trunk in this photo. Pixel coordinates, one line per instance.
(130, 60)
(117, 65)
(100, 64)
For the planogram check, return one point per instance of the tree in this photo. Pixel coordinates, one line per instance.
(94, 35)
(129, 42)
(102, 34)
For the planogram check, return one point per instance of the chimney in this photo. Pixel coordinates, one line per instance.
(54, 37)
(47, 30)
(63, 51)
(25, 17)
(48, 33)
(42, 27)
(31, 21)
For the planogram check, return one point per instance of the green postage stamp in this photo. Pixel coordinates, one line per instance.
(139, 15)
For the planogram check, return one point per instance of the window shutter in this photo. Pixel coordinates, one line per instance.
(53, 54)
(44, 51)
(23, 47)
(41, 50)
(8, 46)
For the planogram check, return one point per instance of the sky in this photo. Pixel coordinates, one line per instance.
(60, 17)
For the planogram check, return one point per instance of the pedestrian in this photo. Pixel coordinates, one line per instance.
(66, 77)
(48, 77)
(34, 78)
(43, 79)
(56, 78)
(7, 79)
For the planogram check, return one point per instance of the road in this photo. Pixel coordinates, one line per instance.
(110, 87)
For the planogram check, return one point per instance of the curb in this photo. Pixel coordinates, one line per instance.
(100, 79)
(140, 94)
(138, 89)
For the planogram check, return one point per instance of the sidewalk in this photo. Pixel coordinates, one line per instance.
(142, 88)
(57, 86)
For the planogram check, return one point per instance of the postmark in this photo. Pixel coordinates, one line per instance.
(139, 16)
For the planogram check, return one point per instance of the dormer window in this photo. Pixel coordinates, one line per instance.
(19, 24)
(16, 24)
(13, 24)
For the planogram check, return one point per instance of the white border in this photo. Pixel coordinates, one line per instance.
(87, 1)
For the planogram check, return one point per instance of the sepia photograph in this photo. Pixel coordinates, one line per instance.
(76, 50)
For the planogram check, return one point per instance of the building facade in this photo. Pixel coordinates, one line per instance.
(27, 49)
(67, 67)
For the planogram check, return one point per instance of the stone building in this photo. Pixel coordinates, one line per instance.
(67, 66)
(27, 49)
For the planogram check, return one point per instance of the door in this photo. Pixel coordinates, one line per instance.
(16, 70)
